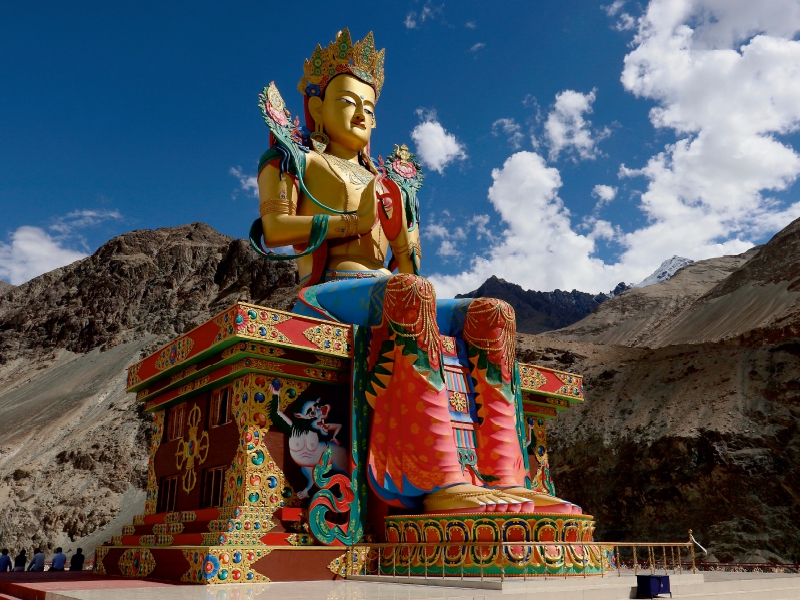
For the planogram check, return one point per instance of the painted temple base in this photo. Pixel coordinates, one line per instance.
(222, 396)
(474, 560)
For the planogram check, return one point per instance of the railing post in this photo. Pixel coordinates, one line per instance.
(619, 561)
(672, 554)
(583, 549)
(463, 560)
(635, 561)
(525, 563)
(691, 549)
(443, 551)
(423, 551)
(501, 557)
(664, 552)
(544, 558)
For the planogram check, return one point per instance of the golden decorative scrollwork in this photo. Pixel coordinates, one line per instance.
(191, 450)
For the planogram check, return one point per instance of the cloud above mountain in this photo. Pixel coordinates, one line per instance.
(725, 79)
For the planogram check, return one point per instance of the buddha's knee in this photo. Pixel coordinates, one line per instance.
(410, 301)
(490, 319)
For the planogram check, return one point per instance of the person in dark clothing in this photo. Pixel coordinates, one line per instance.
(20, 561)
(76, 562)
(5, 561)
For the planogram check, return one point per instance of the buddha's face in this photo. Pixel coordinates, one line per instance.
(347, 113)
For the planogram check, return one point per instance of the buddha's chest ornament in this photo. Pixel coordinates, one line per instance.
(348, 171)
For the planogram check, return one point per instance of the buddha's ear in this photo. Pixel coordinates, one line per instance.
(315, 108)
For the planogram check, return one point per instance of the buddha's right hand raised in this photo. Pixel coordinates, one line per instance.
(367, 209)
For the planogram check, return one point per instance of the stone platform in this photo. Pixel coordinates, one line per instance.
(713, 586)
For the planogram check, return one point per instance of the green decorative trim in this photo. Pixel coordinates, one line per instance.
(319, 231)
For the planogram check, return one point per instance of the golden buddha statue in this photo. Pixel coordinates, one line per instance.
(446, 431)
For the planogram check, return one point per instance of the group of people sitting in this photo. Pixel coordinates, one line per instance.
(58, 563)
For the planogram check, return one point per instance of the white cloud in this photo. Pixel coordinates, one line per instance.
(453, 236)
(248, 183)
(511, 129)
(83, 218)
(725, 79)
(725, 75)
(625, 22)
(566, 129)
(538, 249)
(470, 25)
(604, 194)
(614, 7)
(477, 47)
(435, 146)
(33, 251)
(429, 11)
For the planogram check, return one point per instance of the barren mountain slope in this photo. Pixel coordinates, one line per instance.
(760, 295)
(703, 437)
(642, 316)
(73, 448)
(4, 287)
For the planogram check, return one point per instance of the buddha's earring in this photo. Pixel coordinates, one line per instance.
(319, 139)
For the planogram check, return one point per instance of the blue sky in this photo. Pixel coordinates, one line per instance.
(117, 117)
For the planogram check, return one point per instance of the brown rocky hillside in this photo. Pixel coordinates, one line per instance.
(73, 453)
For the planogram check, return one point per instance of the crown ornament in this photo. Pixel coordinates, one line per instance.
(343, 56)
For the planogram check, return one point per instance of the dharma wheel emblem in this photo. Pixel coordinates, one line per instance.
(191, 450)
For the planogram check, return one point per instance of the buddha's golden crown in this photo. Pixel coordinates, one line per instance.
(342, 56)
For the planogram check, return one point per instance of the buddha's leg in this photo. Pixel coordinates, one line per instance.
(412, 451)
(490, 333)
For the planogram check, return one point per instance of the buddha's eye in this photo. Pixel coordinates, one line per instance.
(348, 101)
(369, 112)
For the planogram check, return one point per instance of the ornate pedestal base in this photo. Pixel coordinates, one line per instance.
(500, 555)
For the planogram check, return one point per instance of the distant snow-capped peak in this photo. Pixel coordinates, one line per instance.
(667, 269)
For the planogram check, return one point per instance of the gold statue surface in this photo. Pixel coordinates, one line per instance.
(432, 445)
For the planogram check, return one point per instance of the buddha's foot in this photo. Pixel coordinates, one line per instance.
(544, 503)
(471, 498)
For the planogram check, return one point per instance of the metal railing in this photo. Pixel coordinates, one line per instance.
(517, 559)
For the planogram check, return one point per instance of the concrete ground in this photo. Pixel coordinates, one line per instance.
(714, 586)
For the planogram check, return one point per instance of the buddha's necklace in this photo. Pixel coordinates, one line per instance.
(358, 175)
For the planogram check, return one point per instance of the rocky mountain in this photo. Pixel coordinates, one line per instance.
(5, 286)
(642, 315)
(703, 437)
(667, 269)
(755, 294)
(696, 423)
(73, 448)
(542, 311)
(691, 418)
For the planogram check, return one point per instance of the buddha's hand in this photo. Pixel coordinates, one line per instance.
(367, 211)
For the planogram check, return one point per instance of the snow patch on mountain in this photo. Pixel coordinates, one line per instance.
(667, 269)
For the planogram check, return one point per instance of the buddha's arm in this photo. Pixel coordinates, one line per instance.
(406, 248)
(282, 227)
